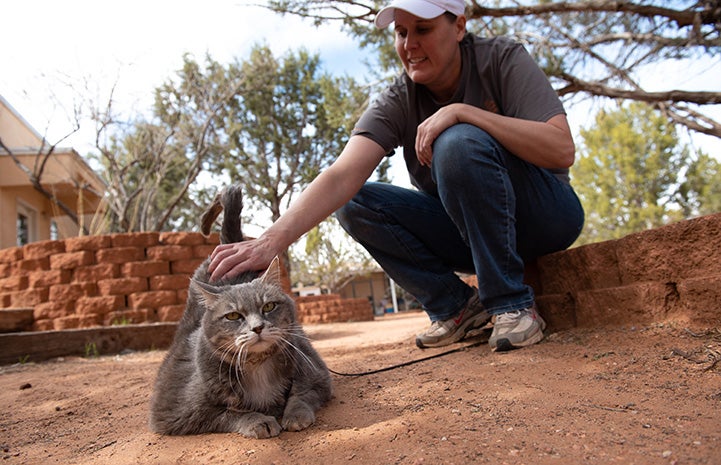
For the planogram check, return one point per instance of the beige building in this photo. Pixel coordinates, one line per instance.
(378, 289)
(27, 214)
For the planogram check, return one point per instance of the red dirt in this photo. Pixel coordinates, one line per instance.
(643, 395)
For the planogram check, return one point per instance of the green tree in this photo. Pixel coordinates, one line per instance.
(292, 122)
(633, 174)
(700, 192)
(270, 124)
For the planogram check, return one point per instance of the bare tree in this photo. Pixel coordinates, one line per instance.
(596, 48)
(149, 166)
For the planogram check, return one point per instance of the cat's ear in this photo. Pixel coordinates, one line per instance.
(272, 274)
(208, 292)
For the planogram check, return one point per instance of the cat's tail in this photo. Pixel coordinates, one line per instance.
(230, 200)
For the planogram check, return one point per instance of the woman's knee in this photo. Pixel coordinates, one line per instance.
(462, 149)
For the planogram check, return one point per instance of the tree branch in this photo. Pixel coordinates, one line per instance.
(709, 14)
(595, 88)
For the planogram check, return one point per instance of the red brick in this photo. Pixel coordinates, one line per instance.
(5, 299)
(182, 295)
(145, 269)
(639, 303)
(43, 249)
(167, 282)
(170, 252)
(75, 244)
(28, 298)
(130, 316)
(13, 283)
(100, 304)
(5, 270)
(144, 239)
(43, 325)
(152, 299)
(11, 255)
(203, 251)
(48, 278)
(94, 273)
(66, 322)
(122, 286)
(186, 267)
(71, 292)
(169, 313)
(70, 260)
(77, 321)
(181, 238)
(698, 302)
(37, 264)
(90, 320)
(52, 310)
(120, 255)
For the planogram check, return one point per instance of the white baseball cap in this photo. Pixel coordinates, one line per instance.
(425, 9)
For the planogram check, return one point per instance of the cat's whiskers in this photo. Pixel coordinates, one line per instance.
(287, 343)
(226, 349)
(297, 331)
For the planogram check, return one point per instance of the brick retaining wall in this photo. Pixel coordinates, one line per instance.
(671, 273)
(332, 308)
(668, 274)
(116, 279)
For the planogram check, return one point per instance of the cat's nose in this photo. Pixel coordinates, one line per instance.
(258, 329)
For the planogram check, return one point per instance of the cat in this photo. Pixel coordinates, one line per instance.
(239, 361)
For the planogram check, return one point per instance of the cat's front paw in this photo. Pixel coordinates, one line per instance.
(298, 419)
(259, 426)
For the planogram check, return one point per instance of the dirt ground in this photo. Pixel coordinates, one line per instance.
(643, 395)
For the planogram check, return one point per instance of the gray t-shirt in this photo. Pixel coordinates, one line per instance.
(497, 75)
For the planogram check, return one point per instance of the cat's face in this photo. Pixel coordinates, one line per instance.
(251, 317)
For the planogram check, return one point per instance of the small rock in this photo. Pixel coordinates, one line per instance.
(26, 386)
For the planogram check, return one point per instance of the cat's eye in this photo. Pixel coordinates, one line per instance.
(232, 316)
(269, 307)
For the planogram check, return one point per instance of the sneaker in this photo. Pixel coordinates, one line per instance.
(442, 333)
(516, 329)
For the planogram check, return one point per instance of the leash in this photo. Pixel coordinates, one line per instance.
(411, 362)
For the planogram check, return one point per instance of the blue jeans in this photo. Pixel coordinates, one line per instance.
(493, 212)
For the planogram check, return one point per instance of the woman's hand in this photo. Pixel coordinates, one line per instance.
(546, 144)
(230, 260)
(431, 128)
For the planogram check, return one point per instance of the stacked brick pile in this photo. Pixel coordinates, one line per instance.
(102, 280)
(331, 308)
(123, 279)
(669, 274)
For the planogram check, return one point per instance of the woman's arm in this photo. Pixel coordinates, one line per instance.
(546, 144)
(325, 194)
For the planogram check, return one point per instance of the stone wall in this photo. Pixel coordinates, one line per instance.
(114, 280)
(331, 308)
(102, 280)
(670, 274)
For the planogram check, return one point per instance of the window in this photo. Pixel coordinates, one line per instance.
(25, 224)
(23, 233)
(54, 234)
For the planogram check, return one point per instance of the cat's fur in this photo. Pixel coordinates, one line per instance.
(239, 362)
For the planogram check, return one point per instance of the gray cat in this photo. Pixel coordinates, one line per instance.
(239, 362)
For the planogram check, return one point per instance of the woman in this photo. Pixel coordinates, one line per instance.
(487, 144)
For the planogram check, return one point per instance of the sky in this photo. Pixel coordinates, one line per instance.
(136, 46)
(46, 46)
